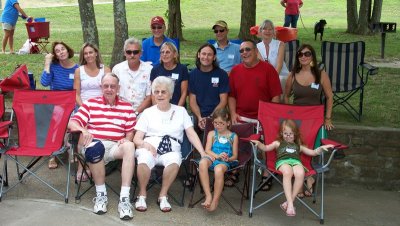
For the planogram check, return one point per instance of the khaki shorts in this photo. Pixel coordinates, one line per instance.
(110, 148)
(7, 26)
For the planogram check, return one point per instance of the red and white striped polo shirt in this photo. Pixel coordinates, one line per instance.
(104, 121)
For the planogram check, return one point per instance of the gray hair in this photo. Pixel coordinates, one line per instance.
(132, 41)
(111, 75)
(163, 81)
(266, 23)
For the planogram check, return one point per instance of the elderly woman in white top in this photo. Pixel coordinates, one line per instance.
(158, 138)
(272, 50)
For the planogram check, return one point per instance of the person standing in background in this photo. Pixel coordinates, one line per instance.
(9, 19)
(292, 12)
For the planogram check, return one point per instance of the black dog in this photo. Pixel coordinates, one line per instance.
(319, 28)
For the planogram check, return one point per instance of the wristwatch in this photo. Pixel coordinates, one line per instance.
(136, 113)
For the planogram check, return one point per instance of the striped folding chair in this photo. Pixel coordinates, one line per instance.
(344, 63)
(290, 53)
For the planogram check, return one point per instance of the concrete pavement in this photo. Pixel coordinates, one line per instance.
(30, 204)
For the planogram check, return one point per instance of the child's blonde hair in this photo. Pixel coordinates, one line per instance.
(293, 126)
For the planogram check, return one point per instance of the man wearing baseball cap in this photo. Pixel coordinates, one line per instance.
(151, 46)
(227, 52)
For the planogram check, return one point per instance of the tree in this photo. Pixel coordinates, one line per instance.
(175, 23)
(88, 21)
(120, 32)
(369, 13)
(248, 19)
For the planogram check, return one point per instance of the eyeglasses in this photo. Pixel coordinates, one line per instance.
(106, 86)
(134, 52)
(306, 54)
(286, 134)
(218, 123)
(156, 27)
(158, 92)
(220, 31)
(245, 49)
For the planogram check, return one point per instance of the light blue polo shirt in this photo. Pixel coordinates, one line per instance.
(229, 56)
(10, 13)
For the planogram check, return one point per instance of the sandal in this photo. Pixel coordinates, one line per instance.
(232, 180)
(83, 177)
(164, 204)
(140, 204)
(291, 213)
(52, 163)
(309, 190)
(265, 183)
(301, 195)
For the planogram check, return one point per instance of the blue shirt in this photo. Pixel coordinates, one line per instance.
(10, 13)
(151, 52)
(229, 56)
(207, 86)
(59, 78)
(178, 74)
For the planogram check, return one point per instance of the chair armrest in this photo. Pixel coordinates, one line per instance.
(251, 137)
(337, 147)
(5, 124)
(372, 70)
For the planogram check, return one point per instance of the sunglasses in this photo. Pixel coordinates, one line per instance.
(134, 52)
(156, 27)
(220, 31)
(245, 49)
(306, 54)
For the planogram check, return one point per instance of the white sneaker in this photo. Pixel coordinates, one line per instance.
(125, 209)
(100, 203)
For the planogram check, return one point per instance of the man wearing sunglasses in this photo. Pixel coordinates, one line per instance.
(227, 52)
(251, 81)
(134, 76)
(151, 45)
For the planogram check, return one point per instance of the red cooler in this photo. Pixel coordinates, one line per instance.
(285, 34)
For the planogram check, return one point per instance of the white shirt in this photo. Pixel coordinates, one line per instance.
(90, 86)
(272, 57)
(135, 86)
(156, 124)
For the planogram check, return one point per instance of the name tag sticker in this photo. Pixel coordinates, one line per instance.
(214, 80)
(314, 86)
(71, 76)
(231, 56)
(175, 76)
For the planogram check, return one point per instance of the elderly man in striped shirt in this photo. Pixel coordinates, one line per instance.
(106, 124)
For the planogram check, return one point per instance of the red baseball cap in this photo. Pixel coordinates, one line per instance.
(157, 20)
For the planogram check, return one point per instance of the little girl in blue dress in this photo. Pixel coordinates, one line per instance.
(222, 155)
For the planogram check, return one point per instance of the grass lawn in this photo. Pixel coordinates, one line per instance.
(381, 94)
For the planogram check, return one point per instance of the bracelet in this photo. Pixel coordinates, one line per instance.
(327, 118)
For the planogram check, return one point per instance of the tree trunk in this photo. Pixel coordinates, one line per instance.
(248, 19)
(88, 21)
(376, 11)
(352, 16)
(175, 23)
(363, 19)
(120, 32)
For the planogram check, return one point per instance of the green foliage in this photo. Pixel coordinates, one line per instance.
(381, 94)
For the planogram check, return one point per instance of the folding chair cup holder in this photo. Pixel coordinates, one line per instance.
(310, 121)
(44, 116)
(245, 154)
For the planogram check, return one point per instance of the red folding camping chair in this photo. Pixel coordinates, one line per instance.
(38, 33)
(42, 118)
(310, 120)
(4, 132)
